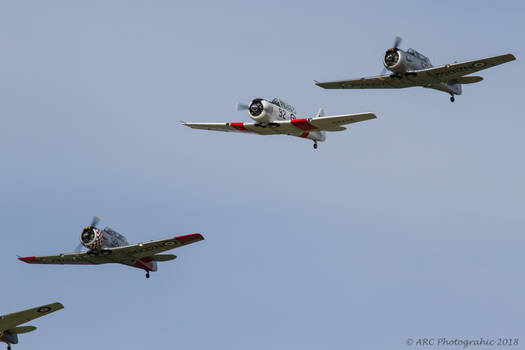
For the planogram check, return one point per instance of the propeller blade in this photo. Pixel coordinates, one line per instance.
(95, 221)
(78, 248)
(397, 41)
(383, 71)
(241, 107)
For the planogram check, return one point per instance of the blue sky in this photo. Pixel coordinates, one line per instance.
(410, 225)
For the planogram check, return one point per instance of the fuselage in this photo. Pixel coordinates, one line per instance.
(404, 64)
(98, 241)
(266, 114)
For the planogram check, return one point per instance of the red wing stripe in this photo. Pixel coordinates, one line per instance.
(303, 124)
(239, 126)
(304, 134)
(29, 259)
(187, 239)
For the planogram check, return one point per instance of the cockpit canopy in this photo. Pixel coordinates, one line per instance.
(418, 55)
(284, 105)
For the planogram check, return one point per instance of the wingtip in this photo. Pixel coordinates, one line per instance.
(28, 259)
(194, 237)
(57, 305)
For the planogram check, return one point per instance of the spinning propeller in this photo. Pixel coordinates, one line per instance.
(397, 41)
(241, 107)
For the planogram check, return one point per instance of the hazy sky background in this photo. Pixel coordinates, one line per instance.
(410, 225)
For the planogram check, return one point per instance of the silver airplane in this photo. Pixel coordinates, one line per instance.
(108, 246)
(410, 68)
(277, 117)
(9, 324)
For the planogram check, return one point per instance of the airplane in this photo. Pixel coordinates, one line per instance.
(411, 68)
(108, 246)
(278, 117)
(9, 329)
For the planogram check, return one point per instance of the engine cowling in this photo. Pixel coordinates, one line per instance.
(261, 111)
(91, 238)
(395, 60)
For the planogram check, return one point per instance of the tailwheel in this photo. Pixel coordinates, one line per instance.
(147, 274)
(452, 99)
(8, 346)
(315, 144)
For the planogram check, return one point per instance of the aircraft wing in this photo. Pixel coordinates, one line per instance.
(232, 127)
(10, 321)
(379, 82)
(83, 258)
(121, 255)
(330, 123)
(456, 70)
(148, 249)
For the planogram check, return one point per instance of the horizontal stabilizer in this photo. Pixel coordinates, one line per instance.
(163, 257)
(21, 330)
(467, 80)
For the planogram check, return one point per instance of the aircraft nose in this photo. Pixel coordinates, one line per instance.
(87, 235)
(256, 108)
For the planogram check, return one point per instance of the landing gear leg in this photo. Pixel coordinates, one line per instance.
(147, 274)
(8, 346)
(452, 99)
(315, 144)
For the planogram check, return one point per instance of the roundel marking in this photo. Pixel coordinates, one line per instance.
(169, 243)
(44, 309)
(479, 64)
